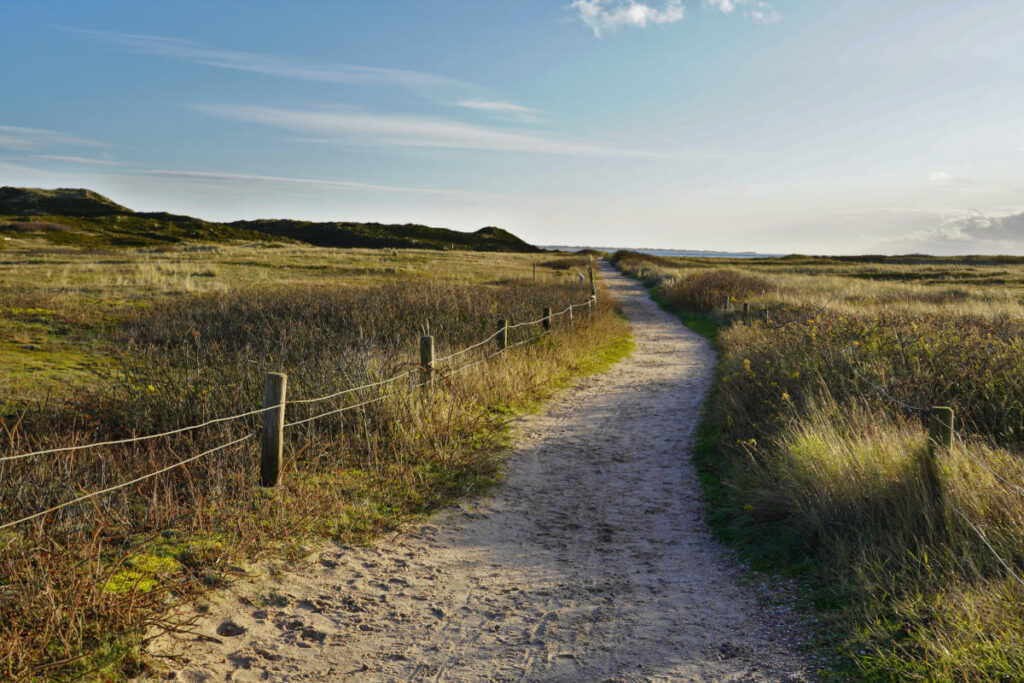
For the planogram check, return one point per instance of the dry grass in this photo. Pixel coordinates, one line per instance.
(814, 451)
(82, 587)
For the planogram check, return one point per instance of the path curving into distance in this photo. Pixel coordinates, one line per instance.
(591, 562)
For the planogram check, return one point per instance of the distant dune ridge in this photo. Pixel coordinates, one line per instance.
(85, 218)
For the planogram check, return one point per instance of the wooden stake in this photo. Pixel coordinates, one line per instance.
(502, 335)
(546, 319)
(273, 429)
(427, 359)
(940, 429)
(590, 273)
(940, 437)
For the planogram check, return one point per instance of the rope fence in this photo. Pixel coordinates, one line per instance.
(275, 404)
(941, 435)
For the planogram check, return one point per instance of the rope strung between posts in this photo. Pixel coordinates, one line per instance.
(135, 439)
(128, 483)
(468, 348)
(882, 391)
(988, 545)
(350, 391)
(258, 411)
(984, 465)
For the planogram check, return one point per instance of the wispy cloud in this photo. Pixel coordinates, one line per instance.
(508, 109)
(76, 160)
(360, 128)
(758, 10)
(17, 138)
(308, 182)
(278, 65)
(608, 15)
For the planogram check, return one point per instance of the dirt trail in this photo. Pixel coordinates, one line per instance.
(592, 562)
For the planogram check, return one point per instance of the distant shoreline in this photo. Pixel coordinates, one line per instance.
(700, 253)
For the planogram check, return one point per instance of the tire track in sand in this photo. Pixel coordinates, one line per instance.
(591, 562)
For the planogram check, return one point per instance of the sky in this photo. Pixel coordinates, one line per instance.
(779, 126)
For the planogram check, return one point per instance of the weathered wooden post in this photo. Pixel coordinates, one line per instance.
(546, 319)
(765, 315)
(502, 335)
(725, 304)
(427, 359)
(746, 309)
(940, 429)
(273, 428)
(940, 438)
(590, 274)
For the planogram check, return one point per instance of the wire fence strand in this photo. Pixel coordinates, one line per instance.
(258, 411)
(250, 413)
(981, 535)
(110, 489)
(985, 466)
(135, 439)
(344, 392)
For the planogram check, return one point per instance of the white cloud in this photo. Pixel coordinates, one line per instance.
(359, 128)
(17, 138)
(76, 160)
(974, 233)
(608, 15)
(309, 182)
(277, 65)
(758, 10)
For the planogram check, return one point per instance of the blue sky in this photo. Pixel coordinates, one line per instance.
(783, 126)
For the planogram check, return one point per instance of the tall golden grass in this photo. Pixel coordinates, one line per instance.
(815, 446)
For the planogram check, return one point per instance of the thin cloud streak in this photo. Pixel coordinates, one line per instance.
(77, 160)
(388, 130)
(18, 138)
(483, 105)
(276, 65)
(312, 182)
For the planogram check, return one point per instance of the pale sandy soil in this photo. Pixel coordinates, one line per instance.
(592, 562)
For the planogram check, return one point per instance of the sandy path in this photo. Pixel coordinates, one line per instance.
(592, 562)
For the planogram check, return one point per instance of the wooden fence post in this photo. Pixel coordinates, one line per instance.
(590, 273)
(765, 315)
(546, 319)
(427, 359)
(273, 428)
(502, 335)
(725, 304)
(940, 437)
(940, 429)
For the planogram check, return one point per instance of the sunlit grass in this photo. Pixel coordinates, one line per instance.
(171, 338)
(815, 447)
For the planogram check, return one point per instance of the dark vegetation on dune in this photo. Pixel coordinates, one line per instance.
(84, 218)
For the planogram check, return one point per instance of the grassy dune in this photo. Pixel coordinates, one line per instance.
(106, 345)
(814, 445)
